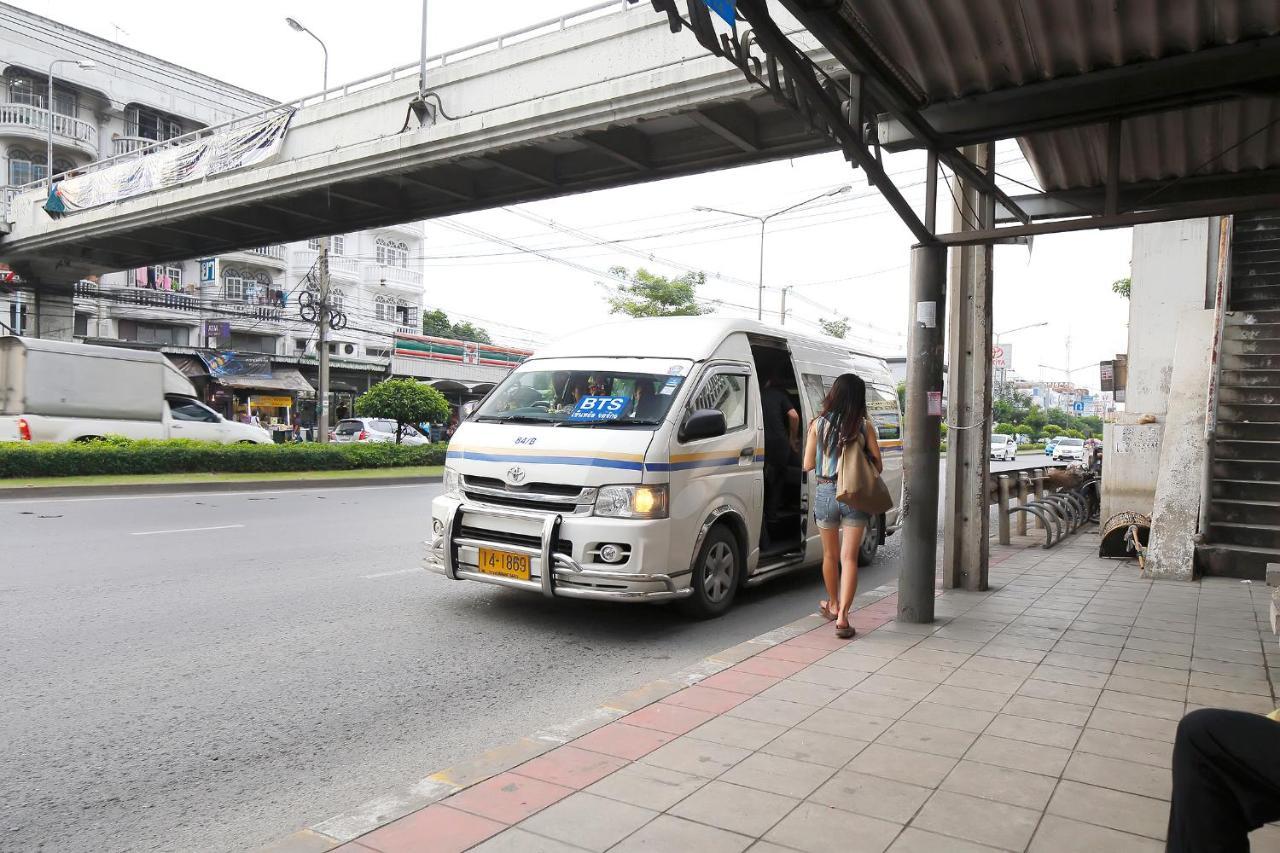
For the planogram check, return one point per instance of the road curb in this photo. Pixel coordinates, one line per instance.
(342, 828)
(197, 487)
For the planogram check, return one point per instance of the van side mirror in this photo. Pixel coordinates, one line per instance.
(703, 423)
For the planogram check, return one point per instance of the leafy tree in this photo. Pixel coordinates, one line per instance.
(1004, 429)
(1002, 410)
(405, 401)
(1074, 433)
(1092, 424)
(1122, 285)
(468, 332)
(1051, 430)
(436, 323)
(1034, 419)
(1023, 429)
(649, 295)
(835, 328)
(1058, 418)
(902, 397)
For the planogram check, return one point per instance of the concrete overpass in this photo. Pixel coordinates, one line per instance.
(603, 99)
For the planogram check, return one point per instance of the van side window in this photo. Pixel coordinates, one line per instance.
(728, 393)
(814, 392)
(182, 409)
(882, 405)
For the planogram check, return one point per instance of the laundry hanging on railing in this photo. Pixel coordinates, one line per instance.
(247, 144)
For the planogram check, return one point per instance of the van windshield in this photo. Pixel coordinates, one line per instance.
(585, 393)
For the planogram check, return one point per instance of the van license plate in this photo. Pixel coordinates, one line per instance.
(504, 563)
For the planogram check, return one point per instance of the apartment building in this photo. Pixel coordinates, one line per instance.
(109, 100)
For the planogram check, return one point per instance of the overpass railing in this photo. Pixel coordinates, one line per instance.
(508, 39)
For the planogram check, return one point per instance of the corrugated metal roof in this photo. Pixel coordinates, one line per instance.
(952, 48)
(945, 50)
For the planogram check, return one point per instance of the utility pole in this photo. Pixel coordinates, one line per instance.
(322, 318)
(784, 304)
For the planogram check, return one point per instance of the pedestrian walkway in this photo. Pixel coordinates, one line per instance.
(1037, 716)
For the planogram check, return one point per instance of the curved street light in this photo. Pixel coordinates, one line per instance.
(299, 28)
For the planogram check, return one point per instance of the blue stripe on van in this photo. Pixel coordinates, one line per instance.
(593, 461)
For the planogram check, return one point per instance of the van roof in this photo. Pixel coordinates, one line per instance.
(695, 338)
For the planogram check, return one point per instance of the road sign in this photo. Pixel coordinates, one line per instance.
(1077, 407)
(724, 8)
(1002, 357)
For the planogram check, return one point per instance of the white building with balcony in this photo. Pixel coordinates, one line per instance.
(246, 300)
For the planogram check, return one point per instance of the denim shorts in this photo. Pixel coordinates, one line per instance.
(829, 513)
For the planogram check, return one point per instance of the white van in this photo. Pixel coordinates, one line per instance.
(626, 463)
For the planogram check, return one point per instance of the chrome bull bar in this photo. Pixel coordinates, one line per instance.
(555, 567)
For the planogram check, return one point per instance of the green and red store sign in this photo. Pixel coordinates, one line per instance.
(458, 352)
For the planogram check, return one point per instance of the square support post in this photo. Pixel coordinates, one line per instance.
(920, 442)
(966, 548)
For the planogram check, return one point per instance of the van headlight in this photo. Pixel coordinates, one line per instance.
(452, 483)
(632, 501)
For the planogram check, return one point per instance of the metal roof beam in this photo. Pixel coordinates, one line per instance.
(1205, 76)
(1151, 195)
(888, 89)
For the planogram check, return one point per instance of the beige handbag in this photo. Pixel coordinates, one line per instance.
(858, 483)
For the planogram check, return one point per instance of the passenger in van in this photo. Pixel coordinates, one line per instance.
(781, 438)
(647, 405)
(843, 420)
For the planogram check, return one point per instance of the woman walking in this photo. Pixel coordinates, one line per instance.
(842, 424)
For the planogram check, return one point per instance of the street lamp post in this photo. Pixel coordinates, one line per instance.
(1004, 370)
(299, 28)
(83, 65)
(764, 220)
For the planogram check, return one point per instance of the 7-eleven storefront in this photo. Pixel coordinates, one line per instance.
(464, 371)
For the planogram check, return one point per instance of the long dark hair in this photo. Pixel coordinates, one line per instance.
(845, 408)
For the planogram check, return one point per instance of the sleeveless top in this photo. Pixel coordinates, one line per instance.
(827, 465)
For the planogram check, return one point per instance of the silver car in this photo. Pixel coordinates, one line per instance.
(1003, 447)
(375, 430)
(1069, 448)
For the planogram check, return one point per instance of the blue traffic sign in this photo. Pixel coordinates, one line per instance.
(1078, 407)
(724, 8)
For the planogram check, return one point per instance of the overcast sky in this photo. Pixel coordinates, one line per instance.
(845, 257)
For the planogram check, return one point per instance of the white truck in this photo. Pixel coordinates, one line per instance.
(61, 391)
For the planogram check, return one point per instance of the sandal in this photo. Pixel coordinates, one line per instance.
(825, 611)
(846, 632)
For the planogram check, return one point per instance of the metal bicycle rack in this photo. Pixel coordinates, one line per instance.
(1059, 513)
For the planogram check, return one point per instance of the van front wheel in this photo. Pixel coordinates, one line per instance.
(870, 540)
(715, 575)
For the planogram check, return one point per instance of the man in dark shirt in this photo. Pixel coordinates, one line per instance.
(781, 437)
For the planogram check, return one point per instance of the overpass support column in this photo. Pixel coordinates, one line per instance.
(966, 547)
(920, 441)
(55, 315)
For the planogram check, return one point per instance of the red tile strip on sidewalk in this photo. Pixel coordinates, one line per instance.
(467, 818)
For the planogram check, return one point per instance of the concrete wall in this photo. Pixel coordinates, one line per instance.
(1171, 276)
(1176, 511)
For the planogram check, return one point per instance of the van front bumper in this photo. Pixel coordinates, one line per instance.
(452, 547)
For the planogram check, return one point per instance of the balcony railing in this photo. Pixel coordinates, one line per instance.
(65, 128)
(248, 310)
(276, 252)
(401, 276)
(139, 296)
(129, 144)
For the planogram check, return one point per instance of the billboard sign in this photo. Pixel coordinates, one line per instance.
(1002, 357)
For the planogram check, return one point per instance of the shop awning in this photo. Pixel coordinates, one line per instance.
(190, 366)
(286, 379)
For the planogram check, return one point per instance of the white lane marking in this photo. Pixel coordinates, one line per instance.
(169, 495)
(389, 574)
(186, 530)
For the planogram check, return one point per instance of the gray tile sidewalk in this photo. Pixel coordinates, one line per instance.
(1038, 716)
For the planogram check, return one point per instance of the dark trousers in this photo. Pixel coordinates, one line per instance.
(1226, 780)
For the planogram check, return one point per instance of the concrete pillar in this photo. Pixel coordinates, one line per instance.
(966, 548)
(920, 441)
(1002, 506)
(55, 315)
(1024, 498)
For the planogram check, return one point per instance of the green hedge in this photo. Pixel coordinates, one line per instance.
(180, 456)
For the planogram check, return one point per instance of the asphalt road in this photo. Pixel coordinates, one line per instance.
(211, 672)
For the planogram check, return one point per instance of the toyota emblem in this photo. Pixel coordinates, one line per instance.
(515, 475)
